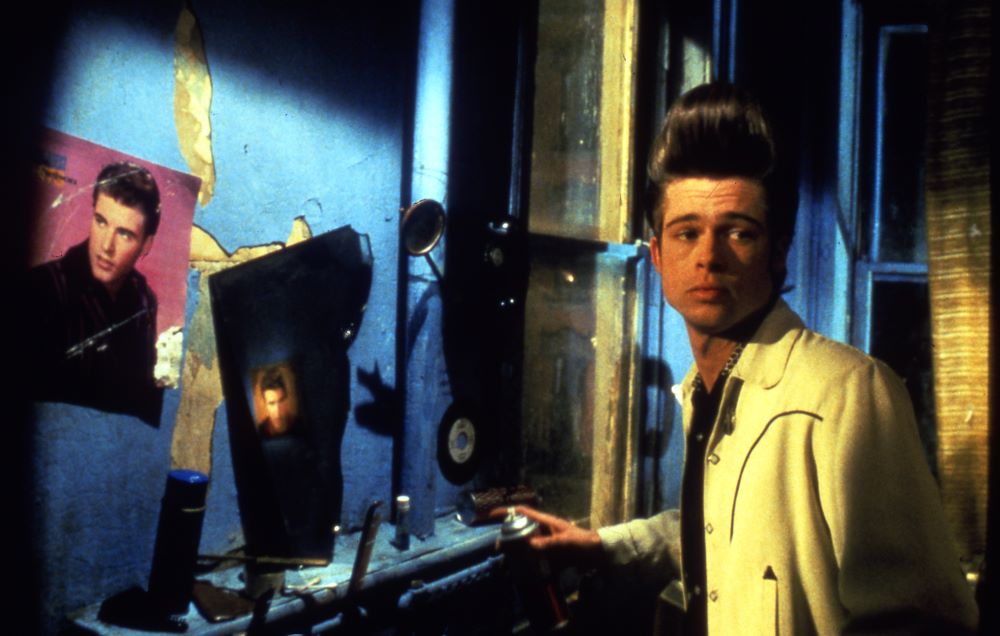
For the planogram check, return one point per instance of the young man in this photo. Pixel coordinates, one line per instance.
(92, 317)
(806, 504)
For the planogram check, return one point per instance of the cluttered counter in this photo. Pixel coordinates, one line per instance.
(396, 581)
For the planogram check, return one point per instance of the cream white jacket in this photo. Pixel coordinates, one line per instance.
(821, 515)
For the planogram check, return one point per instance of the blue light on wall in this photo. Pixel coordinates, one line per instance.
(308, 119)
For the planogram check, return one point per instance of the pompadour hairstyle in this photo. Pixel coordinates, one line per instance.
(132, 186)
(719, 130)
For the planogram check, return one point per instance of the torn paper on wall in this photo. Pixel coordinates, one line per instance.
(193, 103)
(201, 392)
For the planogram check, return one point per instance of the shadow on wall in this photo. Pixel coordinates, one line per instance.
(39, 31)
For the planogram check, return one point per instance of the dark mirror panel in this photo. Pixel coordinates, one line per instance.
(284, 324)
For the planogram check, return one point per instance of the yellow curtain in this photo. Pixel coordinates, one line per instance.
(958, 226)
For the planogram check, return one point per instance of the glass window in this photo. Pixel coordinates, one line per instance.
(901, 337)
(580, 309)
(565, 156)
(891, 312)
(901, 139)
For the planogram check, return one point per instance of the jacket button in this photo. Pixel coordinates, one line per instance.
(713, 596)
(713, 459)
(709, 528)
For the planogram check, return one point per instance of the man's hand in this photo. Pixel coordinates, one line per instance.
(560, 540)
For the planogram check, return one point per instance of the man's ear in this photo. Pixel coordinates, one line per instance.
(654, 250)
(147, 244)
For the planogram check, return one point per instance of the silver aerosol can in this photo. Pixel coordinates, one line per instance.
(543, 603)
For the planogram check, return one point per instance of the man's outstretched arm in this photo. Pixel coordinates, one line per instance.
(644, 549)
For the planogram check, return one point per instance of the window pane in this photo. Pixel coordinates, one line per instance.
(565, 149)
(901, 337)
(575, 367)
(903, 222)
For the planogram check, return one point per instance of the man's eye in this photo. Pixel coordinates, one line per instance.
(741, 234)
(686, 234)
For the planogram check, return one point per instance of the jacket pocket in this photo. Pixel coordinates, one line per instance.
(769, 602)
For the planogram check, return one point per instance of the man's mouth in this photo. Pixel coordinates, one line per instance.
(104, 264)
(708, 293)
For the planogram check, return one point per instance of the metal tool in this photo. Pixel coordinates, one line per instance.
(266, 560)
(368, 533)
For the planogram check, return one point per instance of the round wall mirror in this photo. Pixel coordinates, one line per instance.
(422, 226)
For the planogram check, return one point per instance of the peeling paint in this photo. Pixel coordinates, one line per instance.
(300, 231)
(169, 346)
(201, 386)
(193, 103)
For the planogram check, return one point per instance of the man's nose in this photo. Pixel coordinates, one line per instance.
(108, 242)
(710, 251)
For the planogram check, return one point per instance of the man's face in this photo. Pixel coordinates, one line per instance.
(117, 240)
(276, 402)
(713, 253)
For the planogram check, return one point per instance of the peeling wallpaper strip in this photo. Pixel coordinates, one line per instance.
(193, 103)
(201, 389)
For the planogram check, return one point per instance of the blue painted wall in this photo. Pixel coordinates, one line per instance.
(309, 119)
(312, 116)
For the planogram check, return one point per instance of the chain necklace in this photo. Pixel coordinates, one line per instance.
(726, 370)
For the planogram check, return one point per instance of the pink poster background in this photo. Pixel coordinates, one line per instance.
(66, 172)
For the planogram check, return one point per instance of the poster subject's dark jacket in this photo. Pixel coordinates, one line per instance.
(85, 347)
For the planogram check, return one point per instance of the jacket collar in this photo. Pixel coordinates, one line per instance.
(765, 357)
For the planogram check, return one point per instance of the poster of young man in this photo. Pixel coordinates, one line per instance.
(107, 278)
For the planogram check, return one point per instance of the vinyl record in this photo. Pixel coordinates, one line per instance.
(459, 444)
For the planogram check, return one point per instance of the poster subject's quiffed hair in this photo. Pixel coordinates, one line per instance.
(719, 130)
(132, 186)
(273, 379)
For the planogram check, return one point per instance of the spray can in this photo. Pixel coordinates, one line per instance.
(543, 603)
(175, 553)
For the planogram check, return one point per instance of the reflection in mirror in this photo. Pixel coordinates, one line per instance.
(275, 401)
(289, 458)
(421, 228)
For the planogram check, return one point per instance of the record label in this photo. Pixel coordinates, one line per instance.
(462, 440)
(459, 444)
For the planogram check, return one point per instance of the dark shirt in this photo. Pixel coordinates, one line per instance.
(86, 348)
(705, 408)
